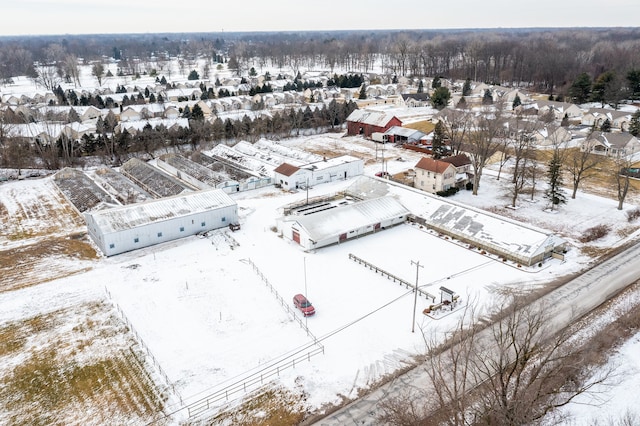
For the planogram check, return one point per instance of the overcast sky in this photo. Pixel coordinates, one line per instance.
(20, 17)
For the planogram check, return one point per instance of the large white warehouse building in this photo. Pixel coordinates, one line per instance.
(131, 227)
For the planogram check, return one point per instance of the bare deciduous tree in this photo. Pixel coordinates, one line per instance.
(483, 140)
(513, 372)
(581, 164)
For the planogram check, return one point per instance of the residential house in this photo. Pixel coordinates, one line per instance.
(130, 114)
(550, 135)
(558, 109)
(434, 175)
(464, 169)
(416, 100)
(619, 144)
(595, 117)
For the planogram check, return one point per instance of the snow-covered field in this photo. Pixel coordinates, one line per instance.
(209, 319)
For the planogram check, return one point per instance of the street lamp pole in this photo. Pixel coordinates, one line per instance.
(415, 296)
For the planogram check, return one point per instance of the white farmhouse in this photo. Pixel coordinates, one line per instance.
(134, 226)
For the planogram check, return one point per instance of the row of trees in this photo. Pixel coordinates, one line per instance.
(610, 87)
(548, 59)
(485, 136)
(18, 153)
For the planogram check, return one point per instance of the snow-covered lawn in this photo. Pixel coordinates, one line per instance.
(209, 319)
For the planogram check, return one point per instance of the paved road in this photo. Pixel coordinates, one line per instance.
(568, 302)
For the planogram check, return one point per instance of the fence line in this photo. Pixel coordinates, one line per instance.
(258, 379)
(247, 384)
(143, 346)
(284, 304)
(390, 276)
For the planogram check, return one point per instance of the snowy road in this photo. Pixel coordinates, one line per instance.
(565, 305)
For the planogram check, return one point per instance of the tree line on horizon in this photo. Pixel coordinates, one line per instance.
(546, 60)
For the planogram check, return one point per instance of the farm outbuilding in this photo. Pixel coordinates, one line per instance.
(292, 177)
(339, 223)
(131, 227)
(365, 122)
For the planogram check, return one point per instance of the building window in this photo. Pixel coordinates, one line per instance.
(182, 229)
(159, 234)
(202, 224)
(112, 246)
(224, 219)
(136, 240)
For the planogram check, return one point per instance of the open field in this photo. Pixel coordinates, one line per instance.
(74, 365)
(42, 237)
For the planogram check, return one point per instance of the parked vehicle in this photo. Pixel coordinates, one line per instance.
(304, 305)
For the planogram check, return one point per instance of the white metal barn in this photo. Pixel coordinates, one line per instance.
(344, 222)
(328, 170)
(134, 226)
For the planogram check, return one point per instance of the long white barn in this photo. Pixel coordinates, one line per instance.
(131, 227)
(339, 224)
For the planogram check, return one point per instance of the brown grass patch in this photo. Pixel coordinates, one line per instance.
(44, 261)
(73, 367)
(273, 407)
(594, 252)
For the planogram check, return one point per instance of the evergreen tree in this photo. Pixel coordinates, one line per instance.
(193, 75)
(436, 83)
(163, 81)
(634, 125)
(601, 86)
(438, 142)
(363, 92)
(196, 113)
(516, 101)
(580, 90)
(633, 78)
(466, 87)
(565, 121)
(606, 126)
(394, 80)
(487, 98)
(253, 72)
(420, 87)
(440, 97)
(267, 76)
(554, 192)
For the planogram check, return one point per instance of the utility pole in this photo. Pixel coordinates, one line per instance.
(415, 296)
(304, 260)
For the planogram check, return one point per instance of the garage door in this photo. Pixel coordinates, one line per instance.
(296, 236)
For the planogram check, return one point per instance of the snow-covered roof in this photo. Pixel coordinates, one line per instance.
(330, 162)
(154, 122)
(135, 215)
(404, 132)
(328, 223)
(521, 240)
(375, 118)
